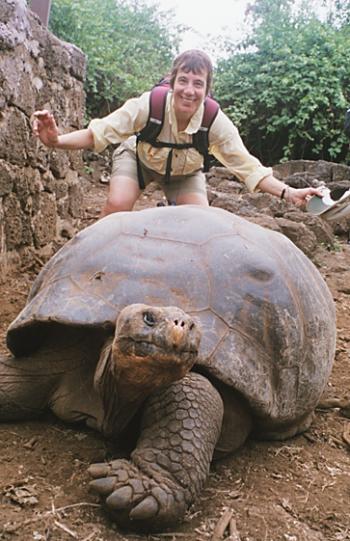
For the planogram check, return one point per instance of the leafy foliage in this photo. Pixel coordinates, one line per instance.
(129, 45)
(340, 16)
(287, 87)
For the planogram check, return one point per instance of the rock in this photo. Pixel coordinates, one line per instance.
(37, 71)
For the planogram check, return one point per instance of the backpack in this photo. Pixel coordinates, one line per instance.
(200, 139)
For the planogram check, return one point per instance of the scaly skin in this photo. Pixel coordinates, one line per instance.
(166, 471)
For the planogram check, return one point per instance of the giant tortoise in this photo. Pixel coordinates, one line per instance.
(190, 326)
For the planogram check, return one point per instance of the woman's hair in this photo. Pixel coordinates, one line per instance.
(195, 61)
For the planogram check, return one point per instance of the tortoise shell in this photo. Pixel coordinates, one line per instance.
(267, 316)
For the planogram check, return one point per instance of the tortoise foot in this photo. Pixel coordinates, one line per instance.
(170, 464)
(136, 500)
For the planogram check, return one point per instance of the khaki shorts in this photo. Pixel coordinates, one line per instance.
(124, 164)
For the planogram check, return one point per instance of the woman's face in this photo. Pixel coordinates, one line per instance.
(189, 92)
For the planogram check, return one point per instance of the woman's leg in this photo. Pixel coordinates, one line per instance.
(123, 194)
(192, 198)
(124, 187)
(187, 190)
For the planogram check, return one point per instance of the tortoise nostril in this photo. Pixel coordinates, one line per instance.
(191, 326)
(182, 323)
(176, 322)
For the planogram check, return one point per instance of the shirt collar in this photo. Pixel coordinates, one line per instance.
(195, 122)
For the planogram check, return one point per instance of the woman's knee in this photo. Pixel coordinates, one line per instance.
(114, 204)
(193, 198)
(123, 194)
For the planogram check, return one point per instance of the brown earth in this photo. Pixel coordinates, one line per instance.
(298, 490)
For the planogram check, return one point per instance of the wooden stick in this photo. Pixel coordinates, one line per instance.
(234, 535)
(80, 504)
(65, 529)
(90, 536)
(221, 525)
(346, 435)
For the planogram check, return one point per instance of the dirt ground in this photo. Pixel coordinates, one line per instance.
(298, 490)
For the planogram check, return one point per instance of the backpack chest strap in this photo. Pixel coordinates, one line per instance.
(161, 144)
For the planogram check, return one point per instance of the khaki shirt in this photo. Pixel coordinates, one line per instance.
(225, 142)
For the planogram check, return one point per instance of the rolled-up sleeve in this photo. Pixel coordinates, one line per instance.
(227, 146)
(119, 125)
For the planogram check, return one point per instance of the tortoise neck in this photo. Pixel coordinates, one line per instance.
(121, 395)
(125, 379)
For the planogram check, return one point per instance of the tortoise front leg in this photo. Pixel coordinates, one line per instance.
(58, 376)
(25, 388)
(180, 428)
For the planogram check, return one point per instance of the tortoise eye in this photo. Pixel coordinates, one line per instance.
(149, 319)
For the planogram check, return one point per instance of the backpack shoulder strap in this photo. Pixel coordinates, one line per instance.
(211, 109)
(157, 102)
(201, 137)
(152, 129)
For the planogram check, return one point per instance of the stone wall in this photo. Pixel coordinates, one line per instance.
(308, 232)
(302, 173)
(39, 187)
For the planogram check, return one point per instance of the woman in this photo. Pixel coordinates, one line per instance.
(190, 81)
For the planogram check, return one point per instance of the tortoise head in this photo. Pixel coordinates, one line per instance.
(159, 332)
(152, 347)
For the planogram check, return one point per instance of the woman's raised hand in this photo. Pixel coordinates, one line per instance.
(44, 126)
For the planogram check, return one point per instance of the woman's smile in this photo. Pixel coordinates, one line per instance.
(188, 93)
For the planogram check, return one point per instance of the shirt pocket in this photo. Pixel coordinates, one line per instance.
(193, 161)
(153, 158)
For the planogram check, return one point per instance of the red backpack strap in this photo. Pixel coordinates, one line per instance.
(150, 132)
(157, 103)
(201, 137)
(211, 109)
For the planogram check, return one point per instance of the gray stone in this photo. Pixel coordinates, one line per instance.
(37, 71)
